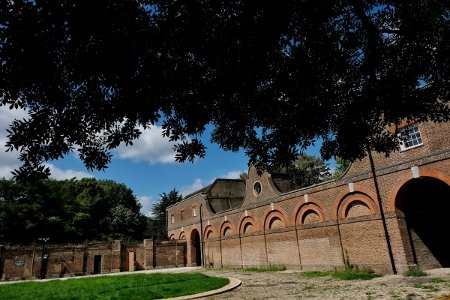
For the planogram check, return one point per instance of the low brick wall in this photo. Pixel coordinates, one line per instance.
(29, 262)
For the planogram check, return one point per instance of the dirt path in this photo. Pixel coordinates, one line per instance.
(291, 285)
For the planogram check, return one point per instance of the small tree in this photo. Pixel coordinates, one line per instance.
(157, 223)
(307, 170)
(341, 166)
(243, 176)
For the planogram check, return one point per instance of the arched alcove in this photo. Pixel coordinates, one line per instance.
(226, 231)
(425, 203)
(357, 209)
(310, 216)
(276, 222)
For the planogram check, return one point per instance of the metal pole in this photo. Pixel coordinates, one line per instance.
(383, 218)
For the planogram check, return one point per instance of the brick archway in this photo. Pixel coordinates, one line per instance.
(245, 221)
(274, 216)
(277, 210)
(349, 200)
(423, 203)
(357, 189)
(225, 227)
(209, 232)
(424, 172)
(313, 204)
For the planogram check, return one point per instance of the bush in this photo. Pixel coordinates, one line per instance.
(415, 272)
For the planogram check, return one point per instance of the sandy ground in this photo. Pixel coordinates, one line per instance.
(292, 285)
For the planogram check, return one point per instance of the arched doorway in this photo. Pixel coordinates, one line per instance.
(425, 202)
(196, 252)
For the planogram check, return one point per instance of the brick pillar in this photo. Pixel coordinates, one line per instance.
(116, 249)
(401, 244)
(149, 262)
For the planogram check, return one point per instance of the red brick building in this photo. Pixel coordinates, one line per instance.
(236, 223)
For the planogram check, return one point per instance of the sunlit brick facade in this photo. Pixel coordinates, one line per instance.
(330, 224)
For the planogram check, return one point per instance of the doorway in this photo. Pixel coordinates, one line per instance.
(196, 253)
(97, 264)
(425, 203)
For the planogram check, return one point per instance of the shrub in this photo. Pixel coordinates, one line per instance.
(415, 272)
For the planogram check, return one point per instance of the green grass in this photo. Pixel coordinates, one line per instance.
(136, 286)
(437, 280)
(271, 268)
(415, 273)
(427, 287)
(314, 274)
(348, 274)
(354, 274)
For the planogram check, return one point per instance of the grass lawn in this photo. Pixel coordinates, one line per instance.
(136, 286)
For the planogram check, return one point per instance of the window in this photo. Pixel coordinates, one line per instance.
(194, 211)
(257, 188)
(172, 219)
(183, 215)
(410, 137)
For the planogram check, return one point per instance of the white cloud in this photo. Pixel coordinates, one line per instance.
(59, 174)
(151, 147)
(5, 171)
(8, 160)
(147, 204)
(8, 115)
(199, 183)
(232, 175)
(193, 187)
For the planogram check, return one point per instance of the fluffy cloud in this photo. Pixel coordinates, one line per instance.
(232, 175)
(199, 183)
(60, 174)
(8, 160)
(151, 147)
(193, 187)
(147, 204)
(8, 115)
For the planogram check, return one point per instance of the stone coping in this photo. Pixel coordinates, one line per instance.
(234, 283)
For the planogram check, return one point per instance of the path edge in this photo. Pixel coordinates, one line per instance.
(234, 283)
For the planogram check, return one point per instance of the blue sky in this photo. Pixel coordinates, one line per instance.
(148, 167)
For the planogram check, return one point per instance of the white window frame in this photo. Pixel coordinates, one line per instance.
(172, 219)
(410, 137)
(194, 211)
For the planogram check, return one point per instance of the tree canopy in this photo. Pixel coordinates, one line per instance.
(271, 77)
(68, 211)
(307, 170)
(157, 224)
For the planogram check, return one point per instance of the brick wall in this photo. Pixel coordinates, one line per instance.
(24, 262)
(316, 227)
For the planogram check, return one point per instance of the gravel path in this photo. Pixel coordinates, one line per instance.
(291, 285)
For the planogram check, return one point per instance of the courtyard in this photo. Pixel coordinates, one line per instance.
(293, 285)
